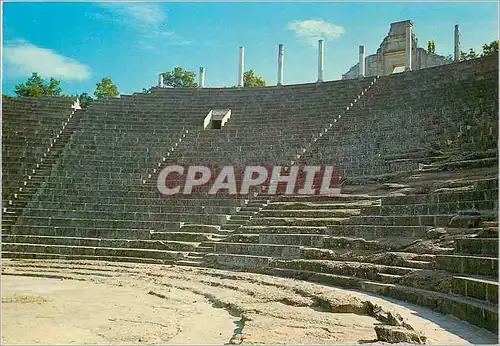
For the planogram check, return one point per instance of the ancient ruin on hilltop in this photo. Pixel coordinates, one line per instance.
(393, 54)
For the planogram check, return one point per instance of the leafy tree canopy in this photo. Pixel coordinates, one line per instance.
(179, 78)
(105, 88)
(36, 86)
(431, 47)
(488, 49)
(250, 79)
(85, 100)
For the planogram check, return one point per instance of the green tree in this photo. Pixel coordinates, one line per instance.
(85, 100)
(147, 91)
(489, 49)
(250, 79)
(468, 56)
(105, 88)
(180, 78)
(431, 47)
(36, 86)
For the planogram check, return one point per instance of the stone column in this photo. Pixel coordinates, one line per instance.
(362, 67)
(281, 58)
(202, 77)
(456, 55)
(242, 67)
(408, 48)
(160, 80)
(321, 59)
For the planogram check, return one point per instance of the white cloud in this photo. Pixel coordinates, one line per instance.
(149, 20)
(312, 30)
(142, 17)
(23, 58)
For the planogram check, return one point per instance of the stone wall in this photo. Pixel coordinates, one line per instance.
(392, 54)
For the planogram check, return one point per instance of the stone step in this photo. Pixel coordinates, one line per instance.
(443, 197)
(328, 204)
(321, 198)
(135, 216)
(429, 208)
(237, 261)
(374, 232)
(240, 217)
(408, 260)
(55, 256)
(310, 240)
(308, 213)
(282, 221)
(199, 228)
(96, 242)
(468, 264)
(389, 278)
(182, 236)
(282, 229)
(97, 223)
(477, 246)
(267, 250)
(246, 212)
(81, 232)
(490, 224)
(231, 226)
(205, 249)
(405, 220)
(476, 287)
(190, 263)
(460, 165)
(354, 269)
(91, 251)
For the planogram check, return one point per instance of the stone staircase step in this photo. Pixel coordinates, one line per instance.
(477, 246)
(196, 228)
(403, 220)
(267, 250)
(190, 263)
(322, 198)
(307, 213)
(389, 278)
(96, 242)
(55, 256)
(91, 251)
(240, 217)
(325, 205)
(182, 236)
(482, 288)
(469, 265)
(282, 221)
(368, 231)
(78, 232)
(283, 229)
(460, 165)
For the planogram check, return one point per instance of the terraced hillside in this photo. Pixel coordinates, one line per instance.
(416, 221)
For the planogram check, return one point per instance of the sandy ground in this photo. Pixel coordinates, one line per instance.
(119, 303)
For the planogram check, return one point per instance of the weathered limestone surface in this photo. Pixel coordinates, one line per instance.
(392, 54)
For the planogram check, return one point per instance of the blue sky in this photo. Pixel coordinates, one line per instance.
(79, 43)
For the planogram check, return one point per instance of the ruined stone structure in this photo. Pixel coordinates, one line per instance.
(392, 54)
(416, 221)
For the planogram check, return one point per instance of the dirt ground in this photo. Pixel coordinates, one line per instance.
(84, 302)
